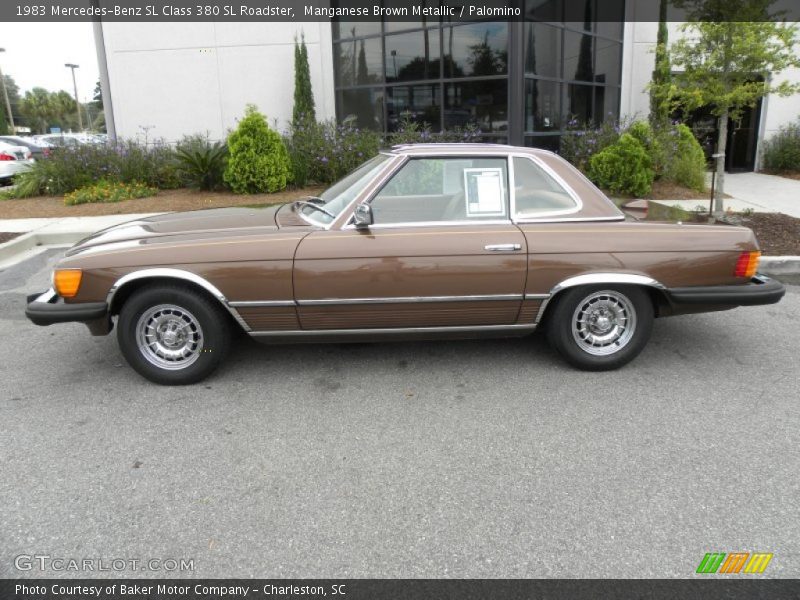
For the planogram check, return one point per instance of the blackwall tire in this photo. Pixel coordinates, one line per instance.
(173, 335)
(600, 328)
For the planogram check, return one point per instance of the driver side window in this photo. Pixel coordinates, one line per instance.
(444, 190)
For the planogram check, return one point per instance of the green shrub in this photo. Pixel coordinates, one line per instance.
(653, 142)
(201, 163)
(623, 167)
(684, 162)
(782, 150)
(68, 169)
(109, 191)
(326, 152)
(258, 160)
(580, 144)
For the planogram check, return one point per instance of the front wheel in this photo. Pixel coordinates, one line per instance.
(601, 328)
(172, 335)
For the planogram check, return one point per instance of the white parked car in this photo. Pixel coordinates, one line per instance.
(13, 159)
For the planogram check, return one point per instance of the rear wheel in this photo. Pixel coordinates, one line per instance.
(601, 328)
(173, 335)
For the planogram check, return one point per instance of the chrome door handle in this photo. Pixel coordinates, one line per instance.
(503, 247)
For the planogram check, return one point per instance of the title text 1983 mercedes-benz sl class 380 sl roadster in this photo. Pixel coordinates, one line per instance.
(420, 241)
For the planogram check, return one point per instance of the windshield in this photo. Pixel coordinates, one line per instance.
(336, 198)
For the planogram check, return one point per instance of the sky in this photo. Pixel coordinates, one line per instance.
(36, 52)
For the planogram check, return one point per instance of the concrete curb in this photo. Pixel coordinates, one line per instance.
(783, 268)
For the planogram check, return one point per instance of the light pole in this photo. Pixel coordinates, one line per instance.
(75, 87)
(8, 104)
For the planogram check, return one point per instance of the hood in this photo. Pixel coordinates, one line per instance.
(185, 226)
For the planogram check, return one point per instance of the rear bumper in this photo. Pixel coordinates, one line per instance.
(46, 309)
(760, 290)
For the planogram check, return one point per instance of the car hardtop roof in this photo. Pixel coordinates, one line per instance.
(478, 148)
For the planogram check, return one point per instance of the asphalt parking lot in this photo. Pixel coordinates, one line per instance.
(443, 459)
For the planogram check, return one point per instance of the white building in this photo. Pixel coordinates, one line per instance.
(166, 80)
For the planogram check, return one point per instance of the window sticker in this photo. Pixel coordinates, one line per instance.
(484, 192)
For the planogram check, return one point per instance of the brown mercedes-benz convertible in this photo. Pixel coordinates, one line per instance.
(421, 241)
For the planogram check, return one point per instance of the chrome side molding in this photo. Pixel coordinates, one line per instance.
(310, 333)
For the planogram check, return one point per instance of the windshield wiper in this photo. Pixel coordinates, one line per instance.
(303, 203)
(315, 200)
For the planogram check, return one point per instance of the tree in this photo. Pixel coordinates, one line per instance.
(303, 95)
(731, 57)
(662, 73)
(37, 108)
(97, 98)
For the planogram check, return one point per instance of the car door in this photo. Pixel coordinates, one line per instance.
(442, 252)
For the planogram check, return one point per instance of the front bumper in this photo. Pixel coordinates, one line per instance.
(760, 290)
(47, 308)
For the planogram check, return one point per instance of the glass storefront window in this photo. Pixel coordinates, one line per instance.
(412, 56)
(479, 49)
(417, 103)
(578, 56)
(578, 102)
(358, 62)
(363, 106)
(609, 57)
(542, 105)
(480, 103)
(542, 50)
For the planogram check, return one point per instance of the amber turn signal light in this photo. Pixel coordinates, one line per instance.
(67, 282)
(747, 264)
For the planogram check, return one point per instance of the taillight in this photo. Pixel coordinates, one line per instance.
(7, 156)
(747, 264)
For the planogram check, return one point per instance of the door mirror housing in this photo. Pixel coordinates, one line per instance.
(362, 216)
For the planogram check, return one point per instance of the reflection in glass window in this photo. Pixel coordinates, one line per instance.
(578, 59)
(542, 50)
(481, 103)
(444, 189)
(475, 50)
(358, 62)
(418, 103)
(536, 193)
(412, 56)
(542, 105)
(548, 142)
(606, 103)
(363, 106)
(578, 102)
(609, 57)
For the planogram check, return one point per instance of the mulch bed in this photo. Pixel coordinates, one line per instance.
(778, 234)
(787, 174)
(164, 201)
(5, 236)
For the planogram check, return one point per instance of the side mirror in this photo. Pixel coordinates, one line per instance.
(362, 216)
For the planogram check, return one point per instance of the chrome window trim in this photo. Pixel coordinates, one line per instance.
(395, 330)
(180, 274)
(568, 220)
(555, 176)
(431, 224)
(411, 299)
(392, 157)
(598, 279)
(395, 162)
